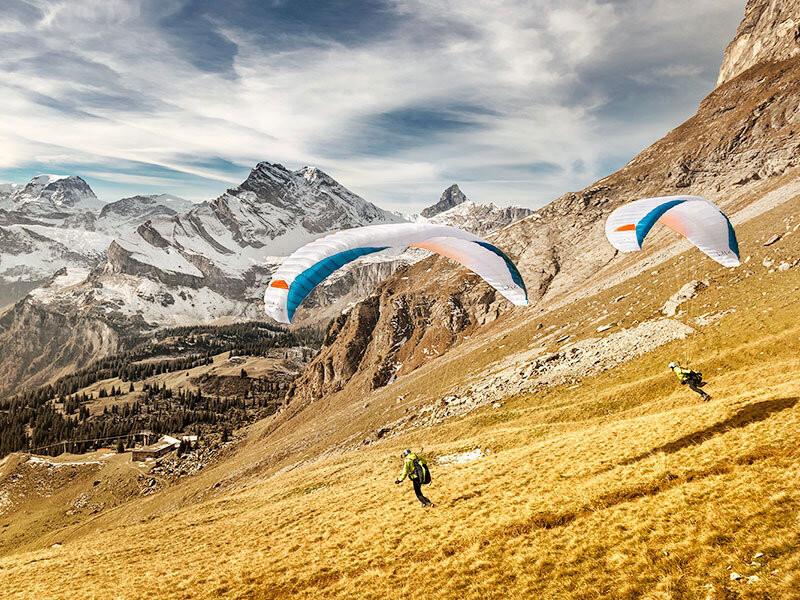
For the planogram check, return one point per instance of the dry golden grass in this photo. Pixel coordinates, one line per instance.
(623, 487)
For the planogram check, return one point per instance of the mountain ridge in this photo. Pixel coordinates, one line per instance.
(154, 266)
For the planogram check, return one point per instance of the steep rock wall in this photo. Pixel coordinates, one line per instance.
(769, 32)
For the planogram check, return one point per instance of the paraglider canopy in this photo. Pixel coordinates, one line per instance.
(694, 217)
(301, 272)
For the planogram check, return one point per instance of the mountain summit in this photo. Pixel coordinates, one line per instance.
(451, 197)
(51, 196)
(456, 210)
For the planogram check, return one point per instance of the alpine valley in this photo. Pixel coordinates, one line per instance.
(85, 279)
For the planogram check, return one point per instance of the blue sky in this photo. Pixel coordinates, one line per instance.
(517, 101)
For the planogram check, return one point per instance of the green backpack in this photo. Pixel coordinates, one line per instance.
(421, 471)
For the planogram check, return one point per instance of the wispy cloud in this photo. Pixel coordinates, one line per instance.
(396, 99)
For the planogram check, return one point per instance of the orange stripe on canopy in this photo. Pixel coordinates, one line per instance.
(279, 283)
(630, 227)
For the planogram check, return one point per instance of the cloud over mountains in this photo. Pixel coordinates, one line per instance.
(519, 101)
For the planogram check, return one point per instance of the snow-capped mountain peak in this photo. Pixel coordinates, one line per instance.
(313, 174)
(149, 254)
(480, 219)
(46, 179)
(55, 222)
(241, 234)
(49, 195)
(452, 196)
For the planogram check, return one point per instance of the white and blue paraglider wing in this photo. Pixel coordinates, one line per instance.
(307, 267)
(697, 219)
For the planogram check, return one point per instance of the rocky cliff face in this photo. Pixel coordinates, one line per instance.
(745, 135)
(769, 32)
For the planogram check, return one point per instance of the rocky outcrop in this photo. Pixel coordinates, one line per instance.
(687, 292)
(745, 133)
(769, 32)
(344, 359)
(569, 365)
(120, 260)
(396, 330)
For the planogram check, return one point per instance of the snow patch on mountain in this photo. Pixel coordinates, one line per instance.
(61, 280)
(34, 252)
(160, 305)
(121, 298)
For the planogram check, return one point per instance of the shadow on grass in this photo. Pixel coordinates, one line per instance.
(752, 413)
(636, 491)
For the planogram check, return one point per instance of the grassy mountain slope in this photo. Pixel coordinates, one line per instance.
(620, 485)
